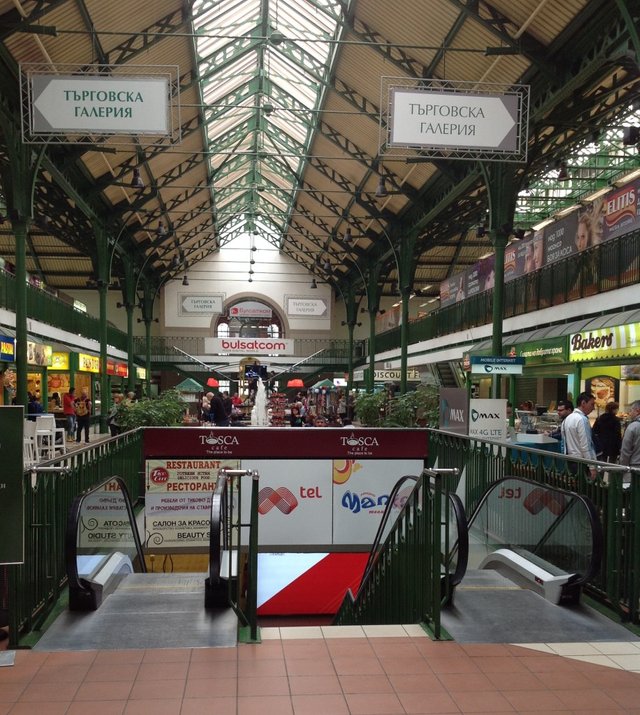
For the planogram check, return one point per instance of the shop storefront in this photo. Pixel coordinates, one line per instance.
(608, 360)
(38, 361)
(8, 373)
(548, 376)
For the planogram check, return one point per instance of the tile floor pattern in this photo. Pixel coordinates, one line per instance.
(373, 670)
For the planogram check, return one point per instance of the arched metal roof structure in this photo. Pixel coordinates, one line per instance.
(279, 129)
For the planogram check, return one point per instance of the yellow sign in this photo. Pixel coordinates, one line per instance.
(141, 373)
(60, 361)
(605, 343)
(88, 363)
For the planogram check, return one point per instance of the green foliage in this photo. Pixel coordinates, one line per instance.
(163, 411)
(370, 409)
(416, 408)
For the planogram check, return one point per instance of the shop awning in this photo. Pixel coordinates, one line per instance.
(561, 329)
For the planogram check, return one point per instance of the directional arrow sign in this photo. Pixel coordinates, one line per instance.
(103, 105)
(201, 304)
(306, 307)
(430, 118)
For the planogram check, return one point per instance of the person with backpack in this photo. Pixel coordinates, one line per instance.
(83, 416)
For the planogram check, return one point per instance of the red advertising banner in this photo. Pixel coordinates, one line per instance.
(284, 443)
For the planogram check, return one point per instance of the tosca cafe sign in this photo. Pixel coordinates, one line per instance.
(605, 343)
(99, 105)
(11, 491)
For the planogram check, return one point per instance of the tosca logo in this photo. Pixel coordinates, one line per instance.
(220, 440)
(159, 475)
(360, 445)
(281, 498)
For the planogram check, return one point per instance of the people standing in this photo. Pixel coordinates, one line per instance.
(577, 437)
(607, 433)
(69, 411)
(217, 413)
(83, 416)
(630, 449)
(112, 416)
(564, 409)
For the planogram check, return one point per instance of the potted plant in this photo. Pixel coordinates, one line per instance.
(163, 411)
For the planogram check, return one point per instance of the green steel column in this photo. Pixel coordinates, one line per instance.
(406, 271)
(20, 228)
(104, 278)
(373, 301)
(129, 301)
(502, 192)
(351, 308)
(404, 339)
(147, 315)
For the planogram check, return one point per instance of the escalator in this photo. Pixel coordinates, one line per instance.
(113, 601)
(532, 550)
(513, 573)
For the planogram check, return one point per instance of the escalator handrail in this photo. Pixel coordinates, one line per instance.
(373, 552)
(218, 531)
(71, 535)
(462, 543)
(597, 537)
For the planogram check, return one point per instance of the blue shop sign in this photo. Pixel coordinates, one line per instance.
(7, 349)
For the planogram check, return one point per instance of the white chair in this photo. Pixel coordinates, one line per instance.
(29, 445)
(46, 436)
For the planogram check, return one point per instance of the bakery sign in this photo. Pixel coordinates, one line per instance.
(605, 343)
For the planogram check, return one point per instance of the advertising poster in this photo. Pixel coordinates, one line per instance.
(104, 523)
(514, 257)
(360, 493)
(487, 273)
(453, 290)
(617, 213)
(178, 501)
(488, 419)
(294, 506)
(454, 413)
(561, 239)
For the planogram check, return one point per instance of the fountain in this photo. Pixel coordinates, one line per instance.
(259, 416)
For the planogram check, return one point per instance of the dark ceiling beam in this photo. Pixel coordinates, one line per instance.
(497, 23)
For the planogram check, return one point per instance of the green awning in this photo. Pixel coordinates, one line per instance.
(189, 385)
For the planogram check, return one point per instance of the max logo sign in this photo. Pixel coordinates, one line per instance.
(475, 415)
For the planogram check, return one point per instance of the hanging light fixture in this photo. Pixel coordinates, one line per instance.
(137, 182)
(161, 231)
(381, 189)
(326, 266)
(563, 173)
(348, 238)
(313, 285)
(185, 280)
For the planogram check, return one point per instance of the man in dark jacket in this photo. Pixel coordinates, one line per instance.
(217, 413)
